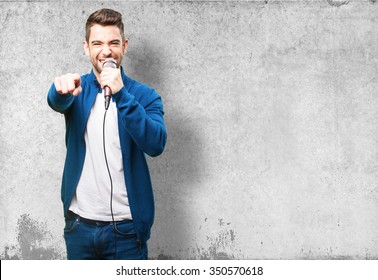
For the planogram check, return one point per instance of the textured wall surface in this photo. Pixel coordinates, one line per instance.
(271, 110)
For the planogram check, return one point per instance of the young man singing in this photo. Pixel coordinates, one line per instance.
(106, 187)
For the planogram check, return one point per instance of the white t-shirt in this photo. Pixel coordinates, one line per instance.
(92, 197)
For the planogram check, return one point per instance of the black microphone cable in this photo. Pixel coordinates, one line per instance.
(111, 187)
(110, 62)
(115, 229)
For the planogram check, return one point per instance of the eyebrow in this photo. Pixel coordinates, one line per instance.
(111, 42)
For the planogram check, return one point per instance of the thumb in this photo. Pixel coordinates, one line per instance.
(77, 91)
(77, 80)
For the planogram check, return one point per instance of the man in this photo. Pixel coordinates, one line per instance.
(106, 187)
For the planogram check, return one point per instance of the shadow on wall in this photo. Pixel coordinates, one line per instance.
(174, 175)
(176, 171)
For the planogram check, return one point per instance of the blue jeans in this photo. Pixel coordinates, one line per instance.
(99, 241)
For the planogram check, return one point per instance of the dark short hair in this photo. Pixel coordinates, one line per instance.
(104, 17)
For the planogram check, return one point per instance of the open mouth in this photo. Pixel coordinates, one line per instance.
(102, 60)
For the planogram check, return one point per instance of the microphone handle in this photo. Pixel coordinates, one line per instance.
(108, 95)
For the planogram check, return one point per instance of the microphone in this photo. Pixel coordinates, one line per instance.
(109, 62)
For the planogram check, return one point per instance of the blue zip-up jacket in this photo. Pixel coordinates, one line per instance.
(141, 130)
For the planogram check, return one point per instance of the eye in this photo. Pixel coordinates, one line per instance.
(96, 43)
(115, 43)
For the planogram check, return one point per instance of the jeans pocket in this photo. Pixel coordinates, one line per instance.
(71, 225)
(125, 229)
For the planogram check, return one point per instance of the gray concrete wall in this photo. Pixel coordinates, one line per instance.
(271, 110)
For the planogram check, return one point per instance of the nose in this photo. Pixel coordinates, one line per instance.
(106, 50)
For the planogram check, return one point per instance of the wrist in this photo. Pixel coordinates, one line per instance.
(117, 92)
(117, 89)
(122, 95)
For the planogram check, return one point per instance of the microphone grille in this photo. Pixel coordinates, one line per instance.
(110, 62)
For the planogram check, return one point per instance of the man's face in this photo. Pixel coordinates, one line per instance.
(104, 42)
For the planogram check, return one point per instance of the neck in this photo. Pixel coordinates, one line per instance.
(97, 74)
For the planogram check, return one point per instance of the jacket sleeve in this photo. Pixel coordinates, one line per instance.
(59, 102)
(143, 118)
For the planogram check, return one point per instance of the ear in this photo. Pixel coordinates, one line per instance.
(86, 47)
(125, 45)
